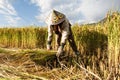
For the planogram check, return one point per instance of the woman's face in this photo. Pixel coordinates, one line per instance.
(55, 27)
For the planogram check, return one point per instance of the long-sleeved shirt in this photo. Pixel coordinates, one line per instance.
(64, 30)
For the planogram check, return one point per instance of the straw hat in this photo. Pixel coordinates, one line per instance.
(55, 18)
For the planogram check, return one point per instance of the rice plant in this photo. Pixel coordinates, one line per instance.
(98, 43)
(113, 25)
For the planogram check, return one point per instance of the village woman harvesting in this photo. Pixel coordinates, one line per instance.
(59, 24)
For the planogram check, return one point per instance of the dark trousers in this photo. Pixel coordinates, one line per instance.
(72, 41)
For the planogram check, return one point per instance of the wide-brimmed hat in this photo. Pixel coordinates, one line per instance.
(55, 18)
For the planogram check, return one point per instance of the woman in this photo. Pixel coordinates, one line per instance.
(59, 24)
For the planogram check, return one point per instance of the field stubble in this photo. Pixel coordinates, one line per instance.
(97, 43)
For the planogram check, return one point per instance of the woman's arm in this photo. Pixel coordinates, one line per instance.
(49, 39)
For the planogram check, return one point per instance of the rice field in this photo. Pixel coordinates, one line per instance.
(98, 44)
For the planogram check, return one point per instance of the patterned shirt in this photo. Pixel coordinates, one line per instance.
(64, 30)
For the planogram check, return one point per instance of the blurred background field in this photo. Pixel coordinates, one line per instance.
(98, 43)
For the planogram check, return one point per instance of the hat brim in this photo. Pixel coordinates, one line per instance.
(55, 23)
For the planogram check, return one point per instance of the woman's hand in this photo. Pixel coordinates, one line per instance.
(60, 51)
(49, 47)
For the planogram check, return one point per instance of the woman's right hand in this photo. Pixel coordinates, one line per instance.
(49, 47)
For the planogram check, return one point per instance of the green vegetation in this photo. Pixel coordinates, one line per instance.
(98, 44)
(23, 37)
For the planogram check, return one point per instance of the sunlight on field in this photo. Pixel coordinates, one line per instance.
(98, 44)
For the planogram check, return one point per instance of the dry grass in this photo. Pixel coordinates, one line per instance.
(98, 44)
